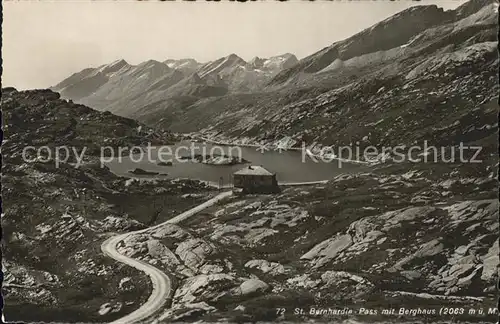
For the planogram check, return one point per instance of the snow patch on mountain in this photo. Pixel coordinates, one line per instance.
(186, 66)
(217, 66)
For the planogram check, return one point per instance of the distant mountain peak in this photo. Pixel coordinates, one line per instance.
(227, 62)
(151, 63)
(119, 62)
(256, 62)
(154, 66)
(234, 56)
(180, 61)
(186, 66)
(113, 66)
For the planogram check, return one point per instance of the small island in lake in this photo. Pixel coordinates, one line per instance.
(216, 159)
(140, 171)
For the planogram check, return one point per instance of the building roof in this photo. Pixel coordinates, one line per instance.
(254, 170)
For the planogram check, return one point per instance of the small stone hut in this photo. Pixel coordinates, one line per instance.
(255, 179)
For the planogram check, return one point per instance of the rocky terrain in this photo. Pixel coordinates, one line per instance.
(404, 235)
(55, 218)
(385, 239)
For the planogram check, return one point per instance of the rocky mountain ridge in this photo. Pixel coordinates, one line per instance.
(410, 25)
(433, 83)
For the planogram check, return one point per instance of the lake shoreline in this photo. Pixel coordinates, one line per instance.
(256, 146)
(290, 167)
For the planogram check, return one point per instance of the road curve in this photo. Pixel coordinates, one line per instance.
(161, 283)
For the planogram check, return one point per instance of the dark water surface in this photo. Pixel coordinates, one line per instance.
(289, 166)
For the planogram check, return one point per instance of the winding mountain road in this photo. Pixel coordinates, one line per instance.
(162, 290)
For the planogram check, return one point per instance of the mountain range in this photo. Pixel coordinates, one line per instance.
(122, 88)
(382, 86)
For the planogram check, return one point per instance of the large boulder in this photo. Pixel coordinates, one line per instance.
(169, 230)
(160, 252)
(251, 287)
(329, 249)
(491, 264)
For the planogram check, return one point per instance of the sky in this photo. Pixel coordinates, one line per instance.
(46, 41)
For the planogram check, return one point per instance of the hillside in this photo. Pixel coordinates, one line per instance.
(55, 216)
(395, 238)
(41, 118)
(434, 80)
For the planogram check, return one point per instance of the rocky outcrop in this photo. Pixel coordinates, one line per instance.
(491, 263)
(259, 225)
(464, 266)
(139, 171)
(187, 311)
(169, 230)
(193, 252)
(265, 266)
(207, 288)
(365, 237)
(251, 287)
(405, 233)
